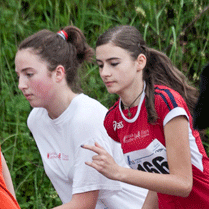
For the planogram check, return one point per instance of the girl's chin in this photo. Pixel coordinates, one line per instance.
(33, 104)
(111, 91)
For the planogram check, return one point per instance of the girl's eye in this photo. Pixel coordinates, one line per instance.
(100, 66)
(29, 75)
(114, 64)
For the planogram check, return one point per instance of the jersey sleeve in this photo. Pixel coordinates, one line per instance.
(169, 104)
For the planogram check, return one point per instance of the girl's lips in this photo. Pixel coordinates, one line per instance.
(109, 83)
(28, 96)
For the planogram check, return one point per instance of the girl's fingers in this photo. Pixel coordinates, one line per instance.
(97, 157)
(97, 145)
(92, 148)
(97, 148)
(89, 164)
(93, 165)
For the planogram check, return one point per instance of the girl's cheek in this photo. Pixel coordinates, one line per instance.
(41, 87)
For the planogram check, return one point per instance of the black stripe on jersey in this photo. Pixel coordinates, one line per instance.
(170, 95)
(112, 108)
(164, 99)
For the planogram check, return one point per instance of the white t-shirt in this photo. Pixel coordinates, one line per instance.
(59, 142)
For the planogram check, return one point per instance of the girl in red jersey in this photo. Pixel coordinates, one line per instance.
(7, 194)
(152, 121)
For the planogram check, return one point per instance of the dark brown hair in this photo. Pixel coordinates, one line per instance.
(53, 49)
(159, 69)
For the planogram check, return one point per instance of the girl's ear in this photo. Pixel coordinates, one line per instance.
(59, 73)
(141, 61)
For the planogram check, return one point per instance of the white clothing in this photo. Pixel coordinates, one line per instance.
(59, 142)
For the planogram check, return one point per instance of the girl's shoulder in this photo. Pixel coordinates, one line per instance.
(37, 113)
(167, 99)
(167, 95)
(165, 90)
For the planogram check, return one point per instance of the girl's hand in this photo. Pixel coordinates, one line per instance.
(103, 162)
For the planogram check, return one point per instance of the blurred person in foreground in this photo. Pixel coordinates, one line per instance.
(201, 111)
(7, 193)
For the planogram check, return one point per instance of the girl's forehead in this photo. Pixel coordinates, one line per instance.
(24, 55)
(27, 59)
(107, 46)
(28, 55)
(110, 50)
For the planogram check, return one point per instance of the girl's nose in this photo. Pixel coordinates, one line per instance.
(22, 83)
(105, 71)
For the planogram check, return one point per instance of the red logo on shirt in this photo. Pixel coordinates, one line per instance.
(54, 155)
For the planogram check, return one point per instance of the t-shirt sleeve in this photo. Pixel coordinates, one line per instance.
(169, 104)
(86, 178)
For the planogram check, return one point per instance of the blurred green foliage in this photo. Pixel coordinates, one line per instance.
(177, 27)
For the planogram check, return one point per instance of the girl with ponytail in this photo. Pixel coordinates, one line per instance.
(153, 122)
(63, 118)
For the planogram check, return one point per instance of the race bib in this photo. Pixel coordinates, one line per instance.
(152, 159)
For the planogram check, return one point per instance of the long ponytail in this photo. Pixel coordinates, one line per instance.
(160, 71)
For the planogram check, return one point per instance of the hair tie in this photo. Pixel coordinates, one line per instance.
(63, 34)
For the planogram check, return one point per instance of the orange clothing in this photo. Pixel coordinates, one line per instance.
(7, 201)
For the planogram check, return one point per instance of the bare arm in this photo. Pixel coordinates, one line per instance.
(151, 201)
(178, 182)
(85, 200)
(7, 176)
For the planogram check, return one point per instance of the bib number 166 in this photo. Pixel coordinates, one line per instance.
(157, 165)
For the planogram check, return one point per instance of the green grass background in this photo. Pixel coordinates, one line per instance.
(179, 28)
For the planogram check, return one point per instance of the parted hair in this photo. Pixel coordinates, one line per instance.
(53, 49)
(159, 69)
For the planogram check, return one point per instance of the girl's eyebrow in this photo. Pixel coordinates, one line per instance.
(109, 59)
(24, 69)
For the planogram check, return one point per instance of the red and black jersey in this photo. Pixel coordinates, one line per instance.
(144, 145)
